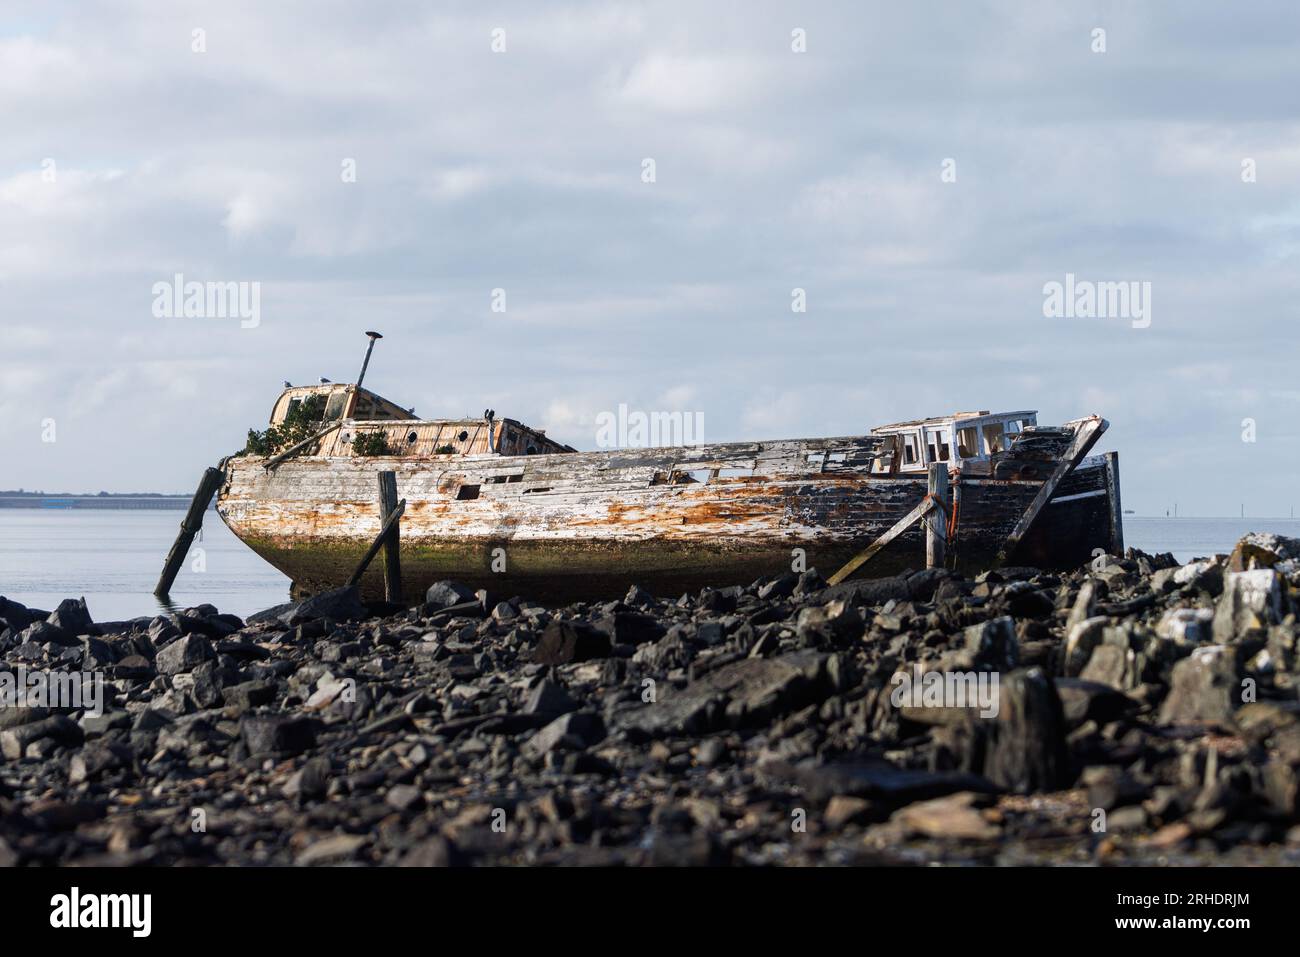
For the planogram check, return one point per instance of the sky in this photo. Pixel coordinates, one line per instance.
(555, 209)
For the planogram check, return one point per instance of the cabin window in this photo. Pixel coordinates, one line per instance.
(659, 478)
(968, 442)
(466, 492)
(293, 404)
(993, 439)
(936, 441)
(334, 407)
(911, 451)
(531, 450)
(1013, 429)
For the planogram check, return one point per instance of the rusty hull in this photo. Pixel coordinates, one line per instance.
(585, 525)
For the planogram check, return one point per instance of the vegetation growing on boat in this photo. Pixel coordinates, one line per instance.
(371, 443)
(302, 421)
(445, 450)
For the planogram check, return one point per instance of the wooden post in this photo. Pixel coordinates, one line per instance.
(382, 537)
(392, 544)
(190, 525)
(936, 523)
(1112, 497)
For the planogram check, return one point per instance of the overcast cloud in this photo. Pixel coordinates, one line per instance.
(774, 170)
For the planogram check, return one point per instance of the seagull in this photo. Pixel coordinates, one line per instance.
(323, 380)
(288, 384)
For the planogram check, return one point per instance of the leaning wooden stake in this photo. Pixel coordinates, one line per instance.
(392, 544)
(902, 525)
(936, 526)
(190, 525)
(373, 550)
(1086, 433)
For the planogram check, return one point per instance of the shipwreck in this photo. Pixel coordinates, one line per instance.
(496, 504)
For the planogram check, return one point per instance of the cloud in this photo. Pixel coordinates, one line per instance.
(522, 171)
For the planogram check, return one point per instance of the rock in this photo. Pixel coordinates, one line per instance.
(404, 797)
(338, 604)
(1192, 625)
(988, 646)
(843, 810)
(276, 734)
(331, 849)
(629, 628)
(549, 697)
(437, 851)
(740, 694)
(638, 597)
(72, 616)
(44, 633)
(576, 731)
(59, 729)
(17, 616)
(1115, 666)
(872, 779)
(953, 817)
(1263, 550)
(444, 594)
(1083, 638)
(1025, 745)
(183, 655)
(1203, 687)
(1251, 601)
(1083, 700)
(564, 642)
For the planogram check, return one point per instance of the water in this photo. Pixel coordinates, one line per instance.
(1190, 538)
(113, 557)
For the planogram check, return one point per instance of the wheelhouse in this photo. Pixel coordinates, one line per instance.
(965, 440)
(360, 413)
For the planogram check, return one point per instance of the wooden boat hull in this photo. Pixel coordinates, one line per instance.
(584, 525)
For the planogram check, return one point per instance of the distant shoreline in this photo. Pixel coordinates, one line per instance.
(143, 500)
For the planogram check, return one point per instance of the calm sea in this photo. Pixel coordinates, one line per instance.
(113, 557)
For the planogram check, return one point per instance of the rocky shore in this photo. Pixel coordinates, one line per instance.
(1131, 711)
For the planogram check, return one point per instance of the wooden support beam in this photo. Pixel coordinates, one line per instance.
(936, 526)
(190, 525)
(299, 446)
(1086, 433)
(392, 544)
(1112, 497)
(902, 525)
(373, 550)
